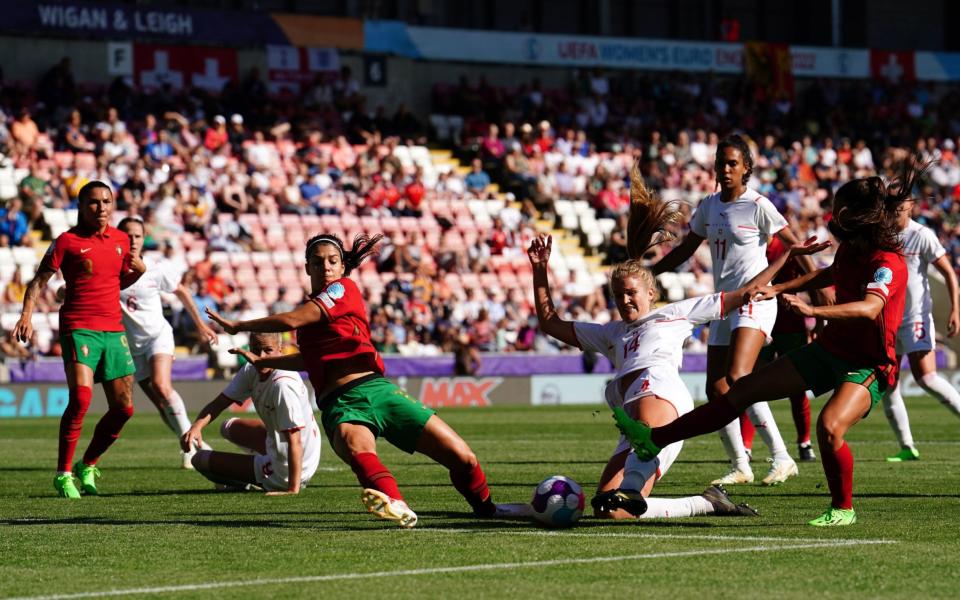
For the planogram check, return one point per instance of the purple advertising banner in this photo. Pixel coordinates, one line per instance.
(47, 370)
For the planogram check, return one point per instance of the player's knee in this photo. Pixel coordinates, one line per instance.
(162, 389)
(829, 431)
(201, 460)
(225, 429)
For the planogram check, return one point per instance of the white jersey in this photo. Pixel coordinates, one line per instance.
(282, 403)
(141, 306)
(920, 248)
(737, 232)
(656, 340)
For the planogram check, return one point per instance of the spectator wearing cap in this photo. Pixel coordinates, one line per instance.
(237, 134)
(216, 138)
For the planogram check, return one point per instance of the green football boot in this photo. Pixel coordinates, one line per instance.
(87, 474)
(905, 455)
(637, 433)
(65, 486)
(835, 517)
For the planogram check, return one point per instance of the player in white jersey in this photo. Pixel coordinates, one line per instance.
(285, 440)
(736, 223)
(646, 348)
(916, 337)
(151, 337)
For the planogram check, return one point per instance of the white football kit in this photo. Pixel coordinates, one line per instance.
(652, 345)
(737, 233)
(147, 331)
(282, 403)
(920, 248)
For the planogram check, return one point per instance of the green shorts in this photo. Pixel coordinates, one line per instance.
(385, 408)
(823, 371)
(105, 352)
(782, 344)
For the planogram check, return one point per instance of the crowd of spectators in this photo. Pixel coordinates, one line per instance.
(192, 164)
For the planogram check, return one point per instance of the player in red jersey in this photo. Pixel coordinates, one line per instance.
(357, 403)
(789, 333)
(856, 354)
(96, 263)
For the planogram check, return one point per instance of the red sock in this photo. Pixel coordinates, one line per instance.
(705, 418)
(371, 473)
(800, 407)
(472, 484)
(71, 424)
(838, 466)
(747, 430)
(106, 433)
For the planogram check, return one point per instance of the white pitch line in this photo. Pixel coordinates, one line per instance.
(441, 570)
(666, 536)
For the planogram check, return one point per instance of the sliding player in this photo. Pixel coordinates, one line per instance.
(285, 439)
(855, 356)
(96, 263)
(358, 404)
(151, 337)
(736, 222)
(646, 348)
(916, 336)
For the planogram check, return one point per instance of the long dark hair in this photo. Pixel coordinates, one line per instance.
(363, 246)
(736, 142)
(867, 213)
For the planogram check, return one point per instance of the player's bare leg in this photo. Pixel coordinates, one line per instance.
(250, 434)
(80, 385)
(441, 443)
(356, 445)
(158, 387)
(730, 436)
(745, 347)
(226, 468)
(849, 403)
(119, 393)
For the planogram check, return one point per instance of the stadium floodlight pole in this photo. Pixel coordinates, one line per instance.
(835, 22)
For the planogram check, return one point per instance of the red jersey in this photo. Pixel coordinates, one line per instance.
(787, 321)
(343, 336)
(92, 264)
(858, 341)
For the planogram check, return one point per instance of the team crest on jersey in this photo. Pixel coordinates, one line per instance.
(119, 251)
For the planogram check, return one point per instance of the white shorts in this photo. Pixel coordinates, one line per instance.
(664, 383)
(272, 474)
(916, 334)
(162, 344)
(753, 315)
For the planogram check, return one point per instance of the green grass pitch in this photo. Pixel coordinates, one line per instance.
(158, 531)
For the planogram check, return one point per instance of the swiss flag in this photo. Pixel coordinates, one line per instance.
(895, 67)
(183, 67)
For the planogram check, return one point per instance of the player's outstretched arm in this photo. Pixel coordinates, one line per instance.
(868, 308)
(193, 438)
(679, 255)
(188, 304)
(305, 314)
(295, 467)
(758, 288)
(550, 322)
(23, 330)
(285, 362)
(943, 265)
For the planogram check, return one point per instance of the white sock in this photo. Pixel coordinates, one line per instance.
(176, 414)
(939, 388)
(762, 418)
(733, 443)
(636, 473)
(896, 412)
(670, 508)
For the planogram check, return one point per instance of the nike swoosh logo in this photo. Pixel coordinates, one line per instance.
(85, 250)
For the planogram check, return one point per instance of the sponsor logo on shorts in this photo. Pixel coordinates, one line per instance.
(84, 350)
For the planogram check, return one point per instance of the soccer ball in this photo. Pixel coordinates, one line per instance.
(557, 502)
